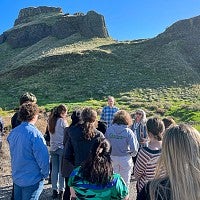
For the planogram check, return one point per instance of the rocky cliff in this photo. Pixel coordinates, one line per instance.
(187, 30)
(34, 24)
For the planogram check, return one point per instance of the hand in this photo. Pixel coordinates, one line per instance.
(126, 198)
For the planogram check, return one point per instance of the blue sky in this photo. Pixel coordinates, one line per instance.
(125, 20)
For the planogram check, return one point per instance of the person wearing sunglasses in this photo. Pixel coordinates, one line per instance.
(140, 130)
(139, 127)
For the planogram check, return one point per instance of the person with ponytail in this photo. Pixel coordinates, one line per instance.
(81, 137)
(95, 178)
(180, 159)
(56, 125)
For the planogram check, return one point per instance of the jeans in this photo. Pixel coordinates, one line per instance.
(56, 157)
(28, 193)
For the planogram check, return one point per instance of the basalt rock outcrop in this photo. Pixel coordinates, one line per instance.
(187, 30)
(34, 24)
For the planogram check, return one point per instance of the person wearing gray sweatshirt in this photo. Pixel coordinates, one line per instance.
(124, 144)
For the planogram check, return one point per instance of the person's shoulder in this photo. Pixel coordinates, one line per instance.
(74, 130)
(98, 133)
(102, 126)
(119, 182)
(129, 132)
(116, 175)
(75, 171)
(162, 192)
(143, 151)
(116, 179)
(151, 151)
(105, 108)
(15, 114)
(29, 129)
(60, 120)
(128, 129)
(144, 193)
(66, 129)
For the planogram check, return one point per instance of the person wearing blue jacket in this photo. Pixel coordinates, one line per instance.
(29, 155)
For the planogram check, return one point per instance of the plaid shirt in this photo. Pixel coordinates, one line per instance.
(108, 114)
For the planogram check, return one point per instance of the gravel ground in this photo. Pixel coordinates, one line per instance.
(6, 188)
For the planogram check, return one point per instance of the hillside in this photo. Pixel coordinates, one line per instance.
(148, 73)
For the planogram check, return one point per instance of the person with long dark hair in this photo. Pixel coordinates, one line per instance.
(56, 125)
(95, 178)
(82, 137)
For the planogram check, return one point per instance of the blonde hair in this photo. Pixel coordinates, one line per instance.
(180, 158)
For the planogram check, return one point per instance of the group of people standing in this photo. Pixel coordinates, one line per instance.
(89, 162)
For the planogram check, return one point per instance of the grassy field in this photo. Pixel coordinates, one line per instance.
(183, 104)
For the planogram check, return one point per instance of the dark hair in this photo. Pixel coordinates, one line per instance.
(156, 127)
(55, 114)
(27, 111)
(102, 126)
(89, 117)
(98, 167)
(168, 121)
(27, 97)
(122, 117)
(75, 117)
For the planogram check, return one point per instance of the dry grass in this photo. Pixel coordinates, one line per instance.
(4, 159)
(5, 165)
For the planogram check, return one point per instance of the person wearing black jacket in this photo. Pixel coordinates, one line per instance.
(25, 98)
(81, 138)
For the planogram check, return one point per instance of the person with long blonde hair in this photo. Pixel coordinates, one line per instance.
(180, 158)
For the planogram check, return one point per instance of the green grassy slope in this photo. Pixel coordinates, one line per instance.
(161, 77)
